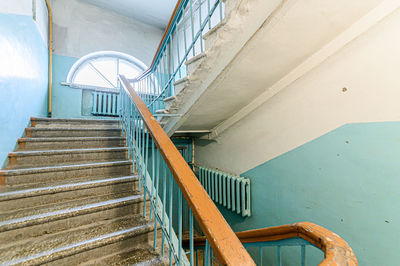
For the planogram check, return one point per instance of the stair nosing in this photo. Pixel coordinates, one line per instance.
(71, 129)
(47, 119)
(41, 218)
(85, 245)
(40, 191)
(47, 169)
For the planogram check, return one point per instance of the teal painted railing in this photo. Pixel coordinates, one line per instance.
(105, 103)
(182, 41)
(232, 192)
(170, 185)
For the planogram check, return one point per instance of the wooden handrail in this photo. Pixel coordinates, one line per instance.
(225, 244)
(335, 248)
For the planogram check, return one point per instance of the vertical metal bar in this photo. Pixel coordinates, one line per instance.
(163, 203)
(170, 214)
(228, 190)
(104, 110)
(237, 195)
(152, 176)
(260, 256)
(192, 25)
(220, 10)
(200, 22)
(109, 104)
(233, 196)
(180, 227)
(191, 236)
(157, 176)
(177, 50)
(207, 261)
(303, 255)
(279, 256)
(211, 256)
(209, 11)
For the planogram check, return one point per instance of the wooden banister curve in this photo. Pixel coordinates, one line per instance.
(336, 250)
(225, 244)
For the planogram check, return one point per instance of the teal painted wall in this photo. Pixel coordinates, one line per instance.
(347, 181)
(67, 102)
(23, 78)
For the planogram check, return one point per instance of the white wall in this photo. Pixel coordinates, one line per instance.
(35, 8)
(80, 29)
(315, 104)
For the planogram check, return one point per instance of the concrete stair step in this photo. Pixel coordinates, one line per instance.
(30, 197)
(35, 222)
(68, 123)
(83, 243)
(37, 132)
(24, 159)
(64, 172)
(69, 143)
(139, 256)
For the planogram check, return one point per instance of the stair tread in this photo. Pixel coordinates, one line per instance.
(72, 129)
(24, 217)
(138, 256)
(65, 151)
(8, 193)
(74, 240)
(54, 168)
(58, 139)
(61, 206)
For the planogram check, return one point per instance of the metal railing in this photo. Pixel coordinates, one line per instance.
(336, 250)
(168, 182)
(232, 192)
(181, 41)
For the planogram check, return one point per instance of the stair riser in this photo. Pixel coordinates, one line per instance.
(72, 222)
(58, 145)
(138, 241)
(46, 160)
(192, 66)
(72, 133)
(28, 202)
(116, 170)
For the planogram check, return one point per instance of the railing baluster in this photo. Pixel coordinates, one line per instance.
(303, 255)
(260, 256)
(192, 25)
(191, 236)
(200, 22)
(279, 254)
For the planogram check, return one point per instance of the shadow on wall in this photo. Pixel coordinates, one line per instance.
(23, 78)
(346, 181)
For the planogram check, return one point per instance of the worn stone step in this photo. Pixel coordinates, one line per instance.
(81, 244)
(24, 159)
(69, 143)
(73, 123)
(37, 222)
(139, 256)
(29, 197)
(64, 172)
(34, 132)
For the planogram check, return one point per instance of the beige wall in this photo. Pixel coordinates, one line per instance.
(315, 104)
(80, 29)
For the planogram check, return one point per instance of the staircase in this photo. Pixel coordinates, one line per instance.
(69, 196)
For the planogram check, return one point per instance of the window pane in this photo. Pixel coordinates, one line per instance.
(87, 76)
(128, 70)
(108, 68)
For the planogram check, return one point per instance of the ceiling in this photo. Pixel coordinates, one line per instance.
(154, 12)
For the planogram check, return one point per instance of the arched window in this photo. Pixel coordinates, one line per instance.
(101, 69)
